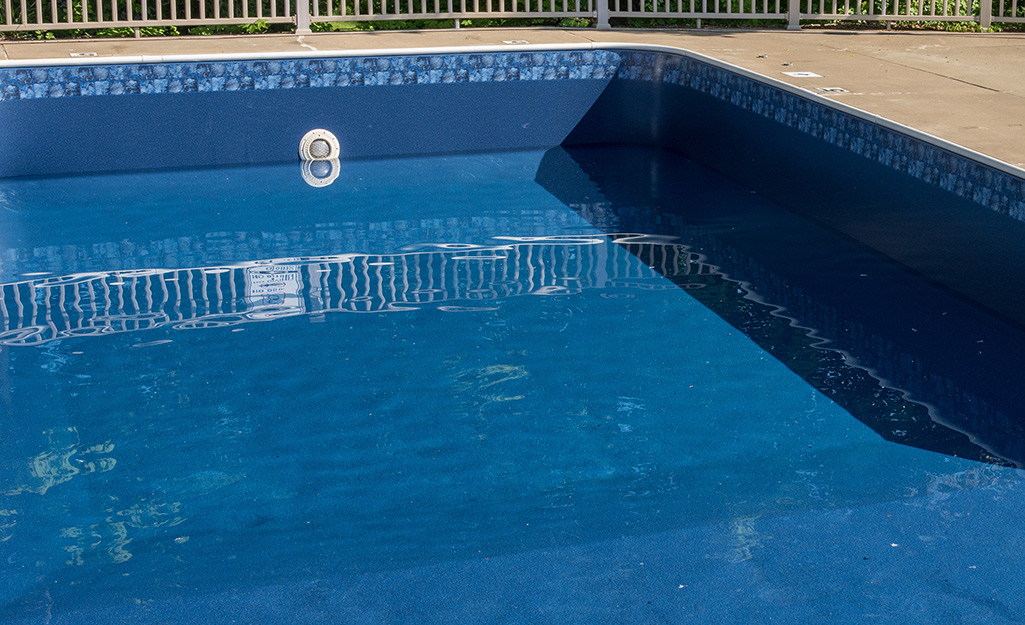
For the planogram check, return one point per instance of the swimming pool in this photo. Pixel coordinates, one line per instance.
(585, 365)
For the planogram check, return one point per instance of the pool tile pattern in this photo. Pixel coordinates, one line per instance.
(204, 77)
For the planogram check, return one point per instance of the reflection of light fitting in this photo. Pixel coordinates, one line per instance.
(320, 173)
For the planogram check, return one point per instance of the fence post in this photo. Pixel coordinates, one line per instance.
(985, 14)
(302, 17)
(603, 14)
(794, 15)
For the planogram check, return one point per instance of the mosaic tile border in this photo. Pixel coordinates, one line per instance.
(219, 76)
(919, 159)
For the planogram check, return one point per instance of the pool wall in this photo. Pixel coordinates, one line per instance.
(648, 85)
(92, 118)
(78, 118)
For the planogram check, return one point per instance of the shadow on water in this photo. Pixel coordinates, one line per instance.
(921, 364)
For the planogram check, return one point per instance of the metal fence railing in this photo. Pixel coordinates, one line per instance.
(700, 9)
(96, 14)
(984, 12)
(1009, 11)
(34, 15)
(50, 15)
(358, 10)
(891, 10)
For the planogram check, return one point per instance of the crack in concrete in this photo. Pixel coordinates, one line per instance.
(917, 69)
(941, 75)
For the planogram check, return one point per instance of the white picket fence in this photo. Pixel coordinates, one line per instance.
(44, 15)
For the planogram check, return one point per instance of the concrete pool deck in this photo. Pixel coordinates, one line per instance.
(968, 88)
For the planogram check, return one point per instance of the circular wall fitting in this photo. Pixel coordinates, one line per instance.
(319, 145)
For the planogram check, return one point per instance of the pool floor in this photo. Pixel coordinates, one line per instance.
(442, 390)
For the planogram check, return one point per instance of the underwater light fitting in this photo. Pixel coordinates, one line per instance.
(319, 145)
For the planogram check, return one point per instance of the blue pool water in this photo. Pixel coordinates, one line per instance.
(507, 387)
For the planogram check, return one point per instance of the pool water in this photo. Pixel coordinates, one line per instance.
(900, 348)
(445, 390)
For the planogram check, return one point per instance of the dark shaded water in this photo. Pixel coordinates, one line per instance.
(910, 357)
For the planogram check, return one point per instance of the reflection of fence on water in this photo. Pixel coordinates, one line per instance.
(48, 308)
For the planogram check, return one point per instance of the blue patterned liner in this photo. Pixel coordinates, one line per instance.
(205, 77)
(920, 159)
